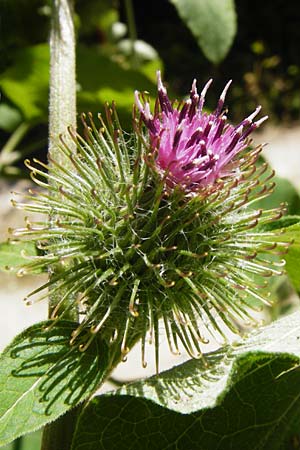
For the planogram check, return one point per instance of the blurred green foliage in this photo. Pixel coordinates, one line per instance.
(264, 62)
(213, 24)
(105, 72)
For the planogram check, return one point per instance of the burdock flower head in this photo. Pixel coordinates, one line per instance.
(158, 229)
(191, 148)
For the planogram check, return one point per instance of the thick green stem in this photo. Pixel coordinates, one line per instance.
(62, 114)
(62, 99)
(62, 96)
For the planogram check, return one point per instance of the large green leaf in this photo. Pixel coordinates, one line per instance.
(13, 255)
(42, 376)
(242, 397)
(25, 83)
(212, 22)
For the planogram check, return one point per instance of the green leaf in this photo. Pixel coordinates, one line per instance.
(42, 376)
(94, 16)
(14, 255)
(292, 258)
(102, 80)
(149, 69)
(25, 83)
(212, 22)
(31, 441)
(282, 223)
(289, 225)
(242, 397)
(284, 192)
(10, 117)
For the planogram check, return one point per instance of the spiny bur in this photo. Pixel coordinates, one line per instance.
(157, 225)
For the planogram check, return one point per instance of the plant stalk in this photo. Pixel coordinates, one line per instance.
(62, 114)
(62, 95)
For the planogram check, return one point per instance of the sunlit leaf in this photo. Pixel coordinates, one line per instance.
(292, 258)
(12, 255)
(102, 80)
(31, 441)
(42, 377)
(284, 192)
(10, 117)
(25, 83)
(212, 22)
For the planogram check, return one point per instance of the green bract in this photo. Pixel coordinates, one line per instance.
(132, 250)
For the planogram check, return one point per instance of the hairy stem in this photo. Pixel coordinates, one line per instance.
(62, 97)
(62, 114)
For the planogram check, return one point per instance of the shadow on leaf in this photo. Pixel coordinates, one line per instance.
(60, 373)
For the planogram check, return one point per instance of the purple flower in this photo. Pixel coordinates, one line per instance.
(192, 148)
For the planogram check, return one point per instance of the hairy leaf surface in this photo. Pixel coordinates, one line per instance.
(42, 376)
